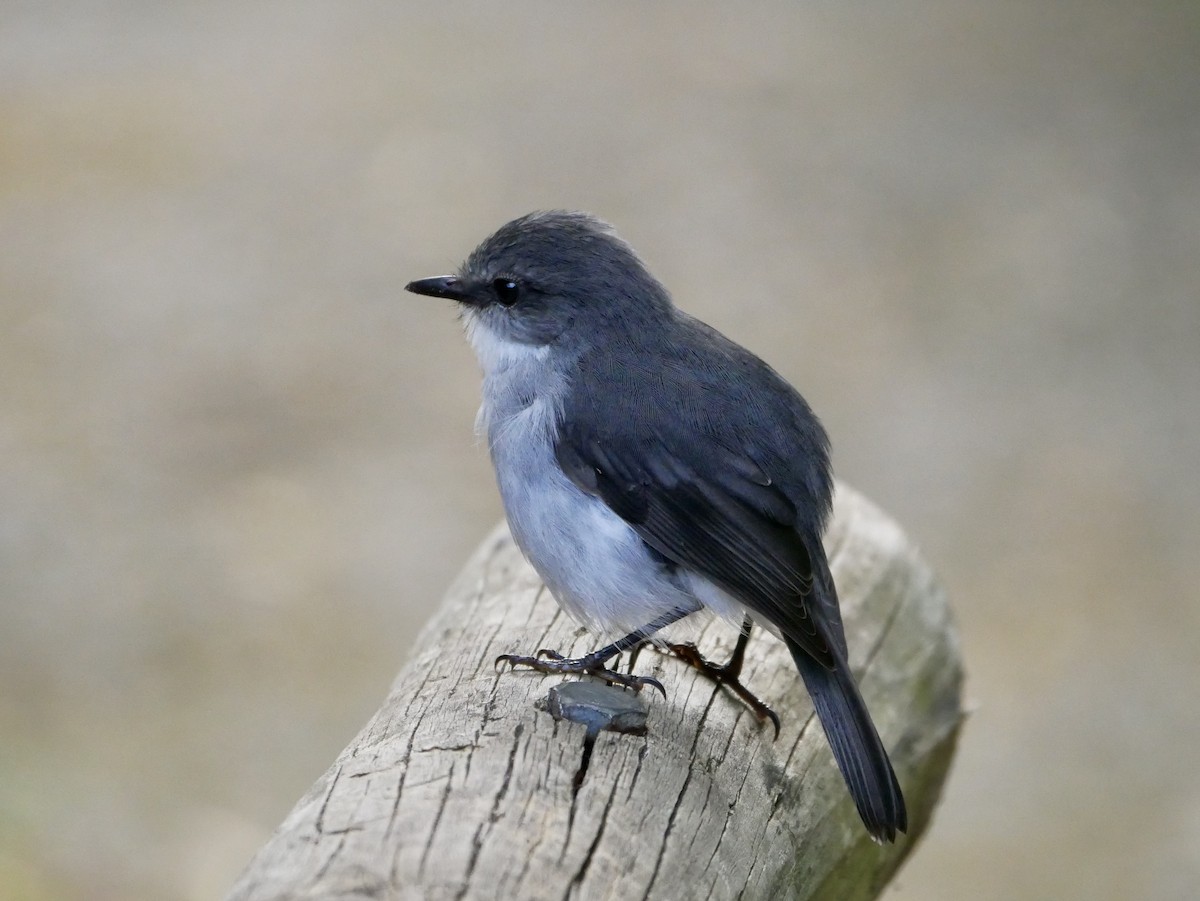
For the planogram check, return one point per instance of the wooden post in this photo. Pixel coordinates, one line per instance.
(461, 785)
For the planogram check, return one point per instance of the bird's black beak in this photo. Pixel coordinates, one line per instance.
(440, 286)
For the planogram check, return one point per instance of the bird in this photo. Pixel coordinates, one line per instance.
(651, 468)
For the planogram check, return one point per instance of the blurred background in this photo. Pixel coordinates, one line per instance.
(238, 469)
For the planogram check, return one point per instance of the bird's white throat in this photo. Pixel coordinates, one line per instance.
(522, 395)
(494, 351)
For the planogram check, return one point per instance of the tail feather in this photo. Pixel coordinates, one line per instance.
(856, 745)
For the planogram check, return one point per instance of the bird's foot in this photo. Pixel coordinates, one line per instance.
(548, 661)
(729, 675)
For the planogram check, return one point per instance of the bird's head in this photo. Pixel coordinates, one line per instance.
(550, 278)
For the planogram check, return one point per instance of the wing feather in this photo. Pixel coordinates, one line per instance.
(725, 524)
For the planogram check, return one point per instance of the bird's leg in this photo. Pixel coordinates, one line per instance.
(634, 653)
(548, 661)
(728, 674)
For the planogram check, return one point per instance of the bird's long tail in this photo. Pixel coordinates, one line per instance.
(856, 745)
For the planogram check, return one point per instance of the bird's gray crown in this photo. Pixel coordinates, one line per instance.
(553, 249)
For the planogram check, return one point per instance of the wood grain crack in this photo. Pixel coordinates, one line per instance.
(484, 828)
(437, 820)
(585, 864)
(687, 780)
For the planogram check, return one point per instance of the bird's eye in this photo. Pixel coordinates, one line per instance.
(507, 291)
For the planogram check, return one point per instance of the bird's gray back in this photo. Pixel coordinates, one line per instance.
(709, 401)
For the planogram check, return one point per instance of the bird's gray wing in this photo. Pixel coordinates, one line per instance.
(707, 509)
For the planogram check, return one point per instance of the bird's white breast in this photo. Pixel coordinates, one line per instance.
(592, 561)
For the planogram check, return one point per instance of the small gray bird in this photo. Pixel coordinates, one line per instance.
(650, 467)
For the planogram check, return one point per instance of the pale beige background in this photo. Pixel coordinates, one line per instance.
(237, 462)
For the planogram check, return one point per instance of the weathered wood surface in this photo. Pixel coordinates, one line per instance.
(460, 787)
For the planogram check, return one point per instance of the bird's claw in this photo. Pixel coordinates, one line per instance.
(728, 675)
(548, 661)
